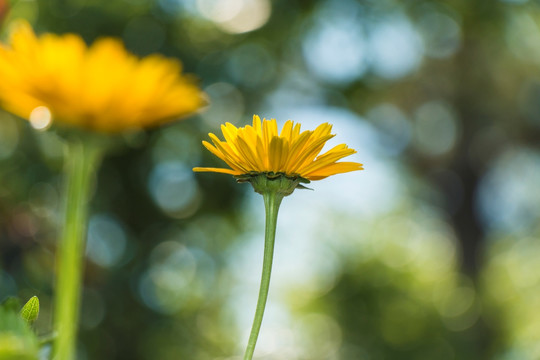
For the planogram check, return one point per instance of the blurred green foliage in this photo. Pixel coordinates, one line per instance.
(429, 253)
(17, 340)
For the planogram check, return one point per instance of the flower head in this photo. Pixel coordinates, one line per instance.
(100, 87)
(259, 149)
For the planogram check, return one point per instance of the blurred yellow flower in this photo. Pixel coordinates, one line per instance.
(100, 87)
(259, 149)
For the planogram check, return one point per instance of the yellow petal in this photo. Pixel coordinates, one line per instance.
(218, 170)
(333, 169)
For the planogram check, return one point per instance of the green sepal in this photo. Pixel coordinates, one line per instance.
(273, 181)
(246, 177)
(30, 310)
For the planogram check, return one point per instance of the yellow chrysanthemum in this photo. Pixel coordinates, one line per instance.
(259, 149)
(101, 87)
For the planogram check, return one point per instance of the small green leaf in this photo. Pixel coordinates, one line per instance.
(30, 310)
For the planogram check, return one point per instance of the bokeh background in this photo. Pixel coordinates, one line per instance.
(430, 253)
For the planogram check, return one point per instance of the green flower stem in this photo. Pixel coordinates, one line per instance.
(81, 159)
(272, 200)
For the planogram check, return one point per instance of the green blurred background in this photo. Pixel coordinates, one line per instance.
(430, 253)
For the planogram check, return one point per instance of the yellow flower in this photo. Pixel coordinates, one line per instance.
(100, 87)
(259, 149)
(275, 164)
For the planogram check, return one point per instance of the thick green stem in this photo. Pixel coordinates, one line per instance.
(81, 160)
(272, 200)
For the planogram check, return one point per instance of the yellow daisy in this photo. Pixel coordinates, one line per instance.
(260, 149)
(100, 87)
(275, 163)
